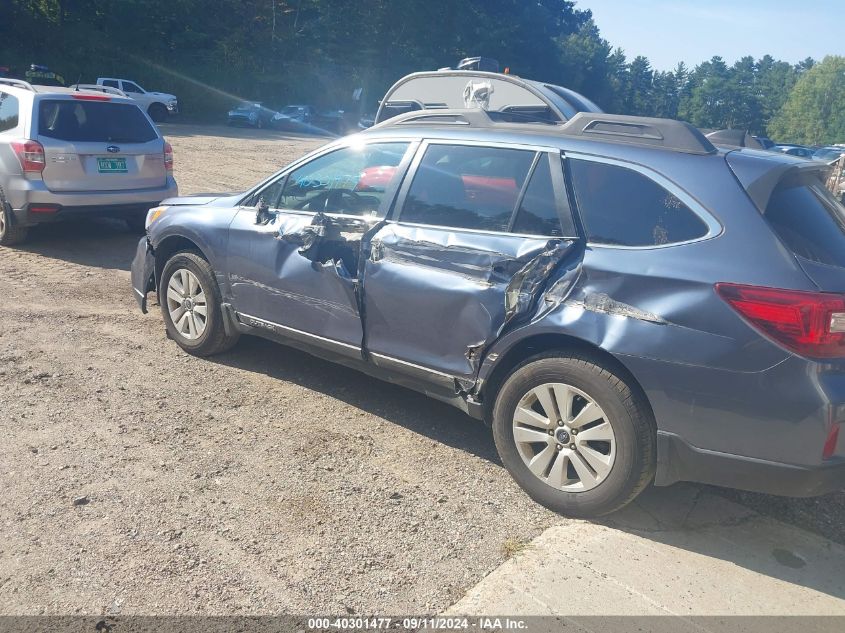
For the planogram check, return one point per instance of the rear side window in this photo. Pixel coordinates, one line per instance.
(94, 121)
(112, 83)
(809, 221)
(467, 187)
(620, 206)
(8, 112)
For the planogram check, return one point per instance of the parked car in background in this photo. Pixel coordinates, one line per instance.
(765, 142)
(251, 113)
(618, 298)
(43, 76)
(159, 105)
(793, 150)
(67, 153)
(367, 121)
(293, 116)
(828, 154)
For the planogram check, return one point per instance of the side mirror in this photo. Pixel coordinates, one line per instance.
(262, 212)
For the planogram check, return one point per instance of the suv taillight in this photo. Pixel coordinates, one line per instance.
(31, 155)
(830, 444)
(168, 157)
(808, 323)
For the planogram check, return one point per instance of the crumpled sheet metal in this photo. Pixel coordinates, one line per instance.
(496, 262)
(483, 282)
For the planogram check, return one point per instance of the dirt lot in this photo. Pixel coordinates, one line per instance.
(138, 479)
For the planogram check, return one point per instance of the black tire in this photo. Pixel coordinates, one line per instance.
(625, 410)
(157, 112)
(10, 234)
(214, 339)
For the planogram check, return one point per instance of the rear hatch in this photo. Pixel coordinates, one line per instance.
(806, 217)
(99, 145)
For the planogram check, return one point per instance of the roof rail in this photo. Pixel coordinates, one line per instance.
(98, 88)
(613, 128)
(17, 83)
(666, 133)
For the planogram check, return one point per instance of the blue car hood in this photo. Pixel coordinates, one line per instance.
(213, 199)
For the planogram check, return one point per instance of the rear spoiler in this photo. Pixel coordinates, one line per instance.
(759, 173)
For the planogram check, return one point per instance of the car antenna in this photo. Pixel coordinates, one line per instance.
(78, 79)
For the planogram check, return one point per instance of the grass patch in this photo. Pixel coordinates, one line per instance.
(513, 546)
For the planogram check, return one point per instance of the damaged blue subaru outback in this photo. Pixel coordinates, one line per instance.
(622, 301)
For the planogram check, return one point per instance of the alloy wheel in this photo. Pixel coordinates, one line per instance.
(564, 437)
(186, 304)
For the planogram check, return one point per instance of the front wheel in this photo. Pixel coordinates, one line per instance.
(574, 435)
(191, 305)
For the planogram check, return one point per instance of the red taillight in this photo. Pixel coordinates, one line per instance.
(807, 323)
(830, 443)
(43, 208)
(88, 97)
(30, 154)
(168, 157)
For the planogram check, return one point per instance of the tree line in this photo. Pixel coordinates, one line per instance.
(210, 52)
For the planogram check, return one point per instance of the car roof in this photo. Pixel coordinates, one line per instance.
(23, 88)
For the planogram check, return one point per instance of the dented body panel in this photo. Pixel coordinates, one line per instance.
(272, 281)
(439, 297)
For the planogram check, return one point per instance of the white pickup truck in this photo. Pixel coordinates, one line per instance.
(157, 104)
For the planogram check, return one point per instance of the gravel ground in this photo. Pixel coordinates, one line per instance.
(138, 479)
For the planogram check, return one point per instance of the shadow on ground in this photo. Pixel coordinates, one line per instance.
(699, 520)
(398, 405)
(97, 242)
(224, 131)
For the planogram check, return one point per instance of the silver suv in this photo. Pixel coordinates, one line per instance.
(65, 152)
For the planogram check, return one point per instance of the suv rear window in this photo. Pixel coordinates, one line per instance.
(94, 121)
(622, 207)
(809, 221)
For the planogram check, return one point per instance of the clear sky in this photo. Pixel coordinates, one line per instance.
(669, 31)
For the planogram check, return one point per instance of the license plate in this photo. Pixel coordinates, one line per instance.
(111, 165)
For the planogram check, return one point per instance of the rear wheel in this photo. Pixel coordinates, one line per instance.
(191, 305)
(10, 234)
(157, 112)
(574, 435)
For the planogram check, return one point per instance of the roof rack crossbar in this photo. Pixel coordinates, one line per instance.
(17, 83)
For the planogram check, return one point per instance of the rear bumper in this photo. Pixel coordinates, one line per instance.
(117, 203)
(143, 272)
(680, 461)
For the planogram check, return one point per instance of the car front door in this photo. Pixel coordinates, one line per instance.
(293, 268)
(477, 230)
